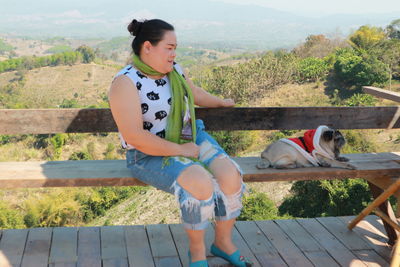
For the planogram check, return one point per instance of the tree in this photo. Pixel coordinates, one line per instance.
(87, 52)
(317, 46)
(358, 70)
(366, 37)
(393, 29)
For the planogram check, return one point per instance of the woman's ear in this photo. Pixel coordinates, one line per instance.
(146, 47)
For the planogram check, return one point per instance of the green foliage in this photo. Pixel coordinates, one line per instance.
(55, 209)
(103, 198)
(357, 142)
(87, 52)
(247, 82)
(233, 142)
(110, 152)
(393, 29)
(10, 218)
(69, 103)
(282, 134)
(82, 155)
(59, 49)
(58, 141)
(31, 62)
(257, 206)
(310, 199)
(366, 37)
(312, 69)
(363, 100)
(4, 47)
(359, 70)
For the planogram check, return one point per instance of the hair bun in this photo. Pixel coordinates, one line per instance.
(134, 27)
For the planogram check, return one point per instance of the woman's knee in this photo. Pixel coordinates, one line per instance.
(197, 181)
(227, 175)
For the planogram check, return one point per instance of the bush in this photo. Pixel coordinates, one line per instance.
(258, 206)
(10, 218)
(312, 69)
(53, 210)
(312, 199)
(363, 100)
(359, 70)
(103, 198)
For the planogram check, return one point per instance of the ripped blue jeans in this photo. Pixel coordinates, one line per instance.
(195, 213)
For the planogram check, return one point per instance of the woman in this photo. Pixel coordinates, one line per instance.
(153, 106)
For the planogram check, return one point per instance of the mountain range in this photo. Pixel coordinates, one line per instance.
(207, 21)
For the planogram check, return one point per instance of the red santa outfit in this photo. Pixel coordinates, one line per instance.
(308, 145)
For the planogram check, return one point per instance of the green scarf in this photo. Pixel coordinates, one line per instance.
(179, 88)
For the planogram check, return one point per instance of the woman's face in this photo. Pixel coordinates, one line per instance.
(161, 56)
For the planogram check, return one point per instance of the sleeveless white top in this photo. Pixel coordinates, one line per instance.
(155, 98)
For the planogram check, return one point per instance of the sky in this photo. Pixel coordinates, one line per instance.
(322, 7)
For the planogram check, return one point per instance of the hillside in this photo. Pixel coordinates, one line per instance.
(85, 85)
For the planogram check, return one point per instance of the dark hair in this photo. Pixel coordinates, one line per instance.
(148, 30)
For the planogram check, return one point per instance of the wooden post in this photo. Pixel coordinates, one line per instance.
(386, 208)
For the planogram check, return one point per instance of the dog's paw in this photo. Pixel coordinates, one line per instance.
(342, 159)
(262, 165)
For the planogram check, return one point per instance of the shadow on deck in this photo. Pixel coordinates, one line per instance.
(302, 242)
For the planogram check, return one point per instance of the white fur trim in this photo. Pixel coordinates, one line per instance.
(317, 148)
(307, 155)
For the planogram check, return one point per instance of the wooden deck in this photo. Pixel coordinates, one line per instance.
(303, 242)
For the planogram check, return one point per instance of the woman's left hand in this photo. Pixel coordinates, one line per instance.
(228, 103)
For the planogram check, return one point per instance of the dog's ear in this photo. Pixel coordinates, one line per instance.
(327, 135)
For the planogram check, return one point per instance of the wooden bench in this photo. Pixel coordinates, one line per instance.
(377, 168)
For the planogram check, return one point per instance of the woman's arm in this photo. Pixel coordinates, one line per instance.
(203, 98)
(126, 110)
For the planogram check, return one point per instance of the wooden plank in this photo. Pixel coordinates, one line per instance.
(339, 229)
(162, 245)
(89, 253)
(115, 263)
(371, 258)
(114, 172)
(286, 248)
(375, 238)
(259, 244)
(44, 121)
(303, 240)
(12, 246)
(138, 247)
(113, 242)
(37, 247)
(64, 245)
(332, 245)
(62, 264)
(386, 94)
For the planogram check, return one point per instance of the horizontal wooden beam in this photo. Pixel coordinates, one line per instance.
(45, 121)
(115, 173)
(386, 94)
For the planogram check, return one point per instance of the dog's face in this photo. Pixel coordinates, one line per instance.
(334, 140)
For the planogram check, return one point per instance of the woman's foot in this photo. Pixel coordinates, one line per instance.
(197, 253)
(235, 258)
(226, 246)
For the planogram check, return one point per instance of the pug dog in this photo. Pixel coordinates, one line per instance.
(318, 147)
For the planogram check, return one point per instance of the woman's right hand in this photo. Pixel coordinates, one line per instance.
(190, 150)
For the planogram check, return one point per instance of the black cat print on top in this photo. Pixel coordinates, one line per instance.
(155, 98)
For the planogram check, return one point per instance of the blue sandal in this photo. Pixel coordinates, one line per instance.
(202, 263)
(235, 258)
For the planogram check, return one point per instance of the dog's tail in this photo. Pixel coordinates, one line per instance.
(263, 164)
